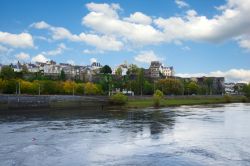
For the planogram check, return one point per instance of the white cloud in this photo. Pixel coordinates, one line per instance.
(232, 75)
(108, 10)
(112, 25)
(87, 51)
(104, 42)
(40, 25)
(71, 62)
(92, 60)
(232, 22)
(39, 58)
(22, 40)
(3, 49)
(139, 18)
(244, 43)
(147, 57)
(22, 56)
(59, 50)
(186, 48)
(181, 4)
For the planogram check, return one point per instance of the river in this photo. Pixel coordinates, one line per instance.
(187, 135)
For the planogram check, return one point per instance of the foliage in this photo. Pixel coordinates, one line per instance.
(119, 99)
(28, 87)
(62, 75)
(118, 71)
(69, 87)
(148, 88)
(193, 88)
(246, 90)
(106, 70)
(7, 73)
(170, 86)
(227, 98)
(157, 97)
(92, 89)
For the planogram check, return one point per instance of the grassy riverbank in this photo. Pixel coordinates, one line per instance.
(143, 103)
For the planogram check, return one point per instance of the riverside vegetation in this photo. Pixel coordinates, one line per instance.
(13, 83)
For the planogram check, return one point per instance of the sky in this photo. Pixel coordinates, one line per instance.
(197, 38)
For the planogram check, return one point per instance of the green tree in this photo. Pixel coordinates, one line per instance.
(170, 86)
(118, 71)
(106, 70)
(62, 75)
(157, 97)
(246, 90)
(209, 83)
(193, 88)
(7, 73)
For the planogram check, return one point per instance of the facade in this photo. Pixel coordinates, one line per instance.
(155, 68)
(168, 71)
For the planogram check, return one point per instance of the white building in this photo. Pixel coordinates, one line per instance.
(167, 71)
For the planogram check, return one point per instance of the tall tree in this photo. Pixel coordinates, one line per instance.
(106, 70)
(7, 72)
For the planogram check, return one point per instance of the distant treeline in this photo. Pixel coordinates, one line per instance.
(14, 82)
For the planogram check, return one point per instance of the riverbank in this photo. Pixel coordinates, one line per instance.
(53, 102)
(179, 101)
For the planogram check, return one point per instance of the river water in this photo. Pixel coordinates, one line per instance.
(187, 135)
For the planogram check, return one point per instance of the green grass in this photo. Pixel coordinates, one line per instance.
(143, 103)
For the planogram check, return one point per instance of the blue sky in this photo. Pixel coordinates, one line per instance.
(196, 37)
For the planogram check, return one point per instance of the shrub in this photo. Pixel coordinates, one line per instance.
(118, 99)
(244, 99)
(227, 98)
(158, 95)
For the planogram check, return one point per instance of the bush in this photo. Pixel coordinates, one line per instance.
(244, 99)
(227, 98)
(119, 99)
(158, 95)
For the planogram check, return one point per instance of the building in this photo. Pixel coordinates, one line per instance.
(154, 69)
(229, 88)
(157, 70)
(167, 71)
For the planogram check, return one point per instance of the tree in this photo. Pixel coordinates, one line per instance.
(158, 95)
(118, 71)
(193, 88)
(132, 69)
(7, 73)
(62, 75)
(209, 83)
(140, 80)
(91, 89)
(170, 86)
(69, 87)
(106, 70)
(246, 90)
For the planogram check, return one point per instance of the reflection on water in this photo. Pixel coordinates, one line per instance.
(188, 135)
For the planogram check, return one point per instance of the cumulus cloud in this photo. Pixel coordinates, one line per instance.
(39, 58)
(147, 57)
(103, 42)
(109, 31)
(3, 49)
(139, 18)
(181, 4)
(59, 50)
(111, 24)
(232, 75)
(244, 43)
(92, 60)
(22, 56)
(22, 40)
(232, 22)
